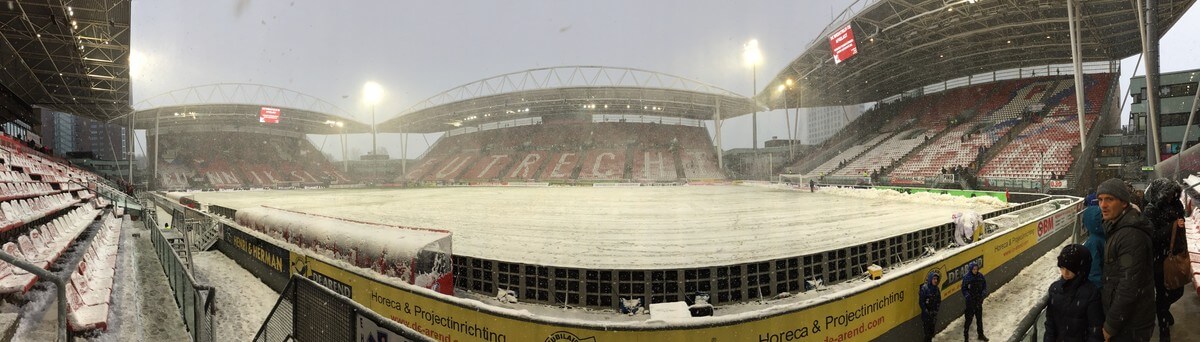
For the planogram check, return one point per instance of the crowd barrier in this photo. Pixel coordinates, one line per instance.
(307, 311)
(195, 301)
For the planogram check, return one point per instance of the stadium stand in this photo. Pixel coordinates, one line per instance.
(886, 153)
(847, 155)
(90, 290)
(45, 210)
(958, 147)
(231, 160)
(572, 151)
(1000, 129)
(1045, 149)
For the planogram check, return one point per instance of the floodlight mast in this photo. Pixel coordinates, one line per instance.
(752, 57)
(372, 94)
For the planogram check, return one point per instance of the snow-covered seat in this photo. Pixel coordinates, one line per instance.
(83, 316)
(89, 294)
(14, 279)
(32, 253)
(43, 244)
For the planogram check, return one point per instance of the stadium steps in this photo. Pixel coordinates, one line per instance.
(181, 250)
(918, 149)
(906, 130)
(627, 171)
(1001, 144)
(208, 235)
(537, 173)
(679, 174)
(845, 138)
(512, 165)
(575, 171)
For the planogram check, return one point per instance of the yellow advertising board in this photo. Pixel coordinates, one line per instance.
(859, 316)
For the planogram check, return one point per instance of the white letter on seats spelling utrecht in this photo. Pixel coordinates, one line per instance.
(495, 158)
(441, 174)
(562, 161)
(600, 161)
(529, 160)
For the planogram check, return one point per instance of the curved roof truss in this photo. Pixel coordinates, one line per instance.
(907, 44)
(568, 90)
(239, 104)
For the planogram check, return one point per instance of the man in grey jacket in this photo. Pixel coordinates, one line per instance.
(1128, 291)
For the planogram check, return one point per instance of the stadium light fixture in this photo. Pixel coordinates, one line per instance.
(751, 55)
(372, 93)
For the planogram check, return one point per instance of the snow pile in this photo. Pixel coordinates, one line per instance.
(393, 251)
(506, 296)
(986, 203)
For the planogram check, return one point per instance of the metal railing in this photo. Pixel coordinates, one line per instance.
(59, 285)
(307, 311)
(196, 301)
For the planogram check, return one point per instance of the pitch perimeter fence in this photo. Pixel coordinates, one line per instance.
(307, 311)
(196, 301)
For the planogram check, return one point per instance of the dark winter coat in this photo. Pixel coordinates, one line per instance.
(1074, 312)
(931, 296)
(974, 286)
(1128, 291)
(1163, 208)
(1093, 222)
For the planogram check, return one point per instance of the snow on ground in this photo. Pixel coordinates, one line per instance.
(629, 228)
(143, 306)
(243, 301)
(1005, 307)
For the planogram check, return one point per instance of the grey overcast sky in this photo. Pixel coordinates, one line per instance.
(329, 49)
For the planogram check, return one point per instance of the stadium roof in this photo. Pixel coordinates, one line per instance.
(907, 44)
(69, 56)
(569, 90)
(236, 107)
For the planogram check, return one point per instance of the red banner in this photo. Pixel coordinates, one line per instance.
(268, 115)
(842, 44)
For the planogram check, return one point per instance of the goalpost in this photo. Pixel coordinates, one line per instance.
(793, 178)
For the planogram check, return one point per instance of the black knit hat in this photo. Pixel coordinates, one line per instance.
(1075, 258)
(1116, 188)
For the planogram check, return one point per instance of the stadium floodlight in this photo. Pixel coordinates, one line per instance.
(372, 94)
(752, 56)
